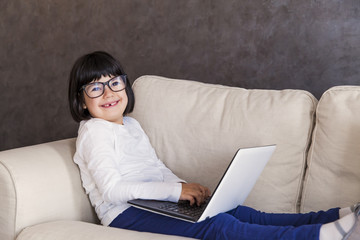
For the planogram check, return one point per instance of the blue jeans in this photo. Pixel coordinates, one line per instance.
(239, 223)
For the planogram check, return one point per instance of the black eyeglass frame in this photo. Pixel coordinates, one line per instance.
(107, 83)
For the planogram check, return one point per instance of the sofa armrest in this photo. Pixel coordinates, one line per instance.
(41, 183)
(77, 230)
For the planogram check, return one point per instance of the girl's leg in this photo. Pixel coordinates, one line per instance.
(250, 215)
(222, 226)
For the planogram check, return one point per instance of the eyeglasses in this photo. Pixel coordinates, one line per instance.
(96, 89)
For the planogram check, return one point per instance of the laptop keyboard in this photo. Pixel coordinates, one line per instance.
(184, 207)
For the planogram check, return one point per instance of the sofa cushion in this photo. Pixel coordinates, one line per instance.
(60, 230)
(333, 178)
(196, 128)
(40, 183)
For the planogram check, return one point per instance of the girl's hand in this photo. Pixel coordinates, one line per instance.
(194, 192)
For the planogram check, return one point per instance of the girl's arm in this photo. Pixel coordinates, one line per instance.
(169, 176)
(194, 193)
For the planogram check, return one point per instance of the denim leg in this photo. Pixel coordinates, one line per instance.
(250, 215)
(227, 227)
(223, 226)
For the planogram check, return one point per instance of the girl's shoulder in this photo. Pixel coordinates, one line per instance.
(131, 124)
(98, 124)
(131, 121)
(95, 122)
(94, 134)
(95, 126)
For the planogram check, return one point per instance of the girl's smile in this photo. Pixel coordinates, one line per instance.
(110, 106)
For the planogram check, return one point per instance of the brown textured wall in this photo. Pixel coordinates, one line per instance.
(307, 44)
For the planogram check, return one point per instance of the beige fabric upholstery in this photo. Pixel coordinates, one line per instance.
(74, 230)
(38, 184)
(196, 129)
(7, 205)
(333, 178)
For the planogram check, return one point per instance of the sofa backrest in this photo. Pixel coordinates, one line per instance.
(333, 176)
(196, 128)
(40, 183)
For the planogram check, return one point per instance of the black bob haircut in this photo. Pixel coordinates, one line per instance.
(92, 67)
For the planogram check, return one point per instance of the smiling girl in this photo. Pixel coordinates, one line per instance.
(117, 163)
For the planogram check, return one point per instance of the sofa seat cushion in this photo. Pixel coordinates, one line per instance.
(333, 176)
(196, 128)
(77, 230)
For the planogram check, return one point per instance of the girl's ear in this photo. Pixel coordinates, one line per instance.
(84, 106)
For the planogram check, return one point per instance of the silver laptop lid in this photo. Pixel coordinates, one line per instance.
(238, 180)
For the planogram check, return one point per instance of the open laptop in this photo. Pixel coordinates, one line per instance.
(232, 190)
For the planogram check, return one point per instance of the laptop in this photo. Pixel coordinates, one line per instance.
(232, 190)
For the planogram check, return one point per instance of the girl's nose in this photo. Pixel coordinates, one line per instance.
(108, 92)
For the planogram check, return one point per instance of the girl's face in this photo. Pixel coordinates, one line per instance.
(110, 106)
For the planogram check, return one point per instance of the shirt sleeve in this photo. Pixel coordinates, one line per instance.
(99, 158)
(168, 175)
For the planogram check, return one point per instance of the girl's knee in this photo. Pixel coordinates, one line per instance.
(222, 219)
(222, 226)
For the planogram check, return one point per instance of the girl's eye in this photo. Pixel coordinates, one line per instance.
(115, 83)
(94, 88)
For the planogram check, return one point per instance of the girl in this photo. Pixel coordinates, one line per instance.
(117, 163)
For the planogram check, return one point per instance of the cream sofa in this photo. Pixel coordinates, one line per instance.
(196, 128)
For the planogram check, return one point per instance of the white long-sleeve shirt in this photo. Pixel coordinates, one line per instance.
(117, 163)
